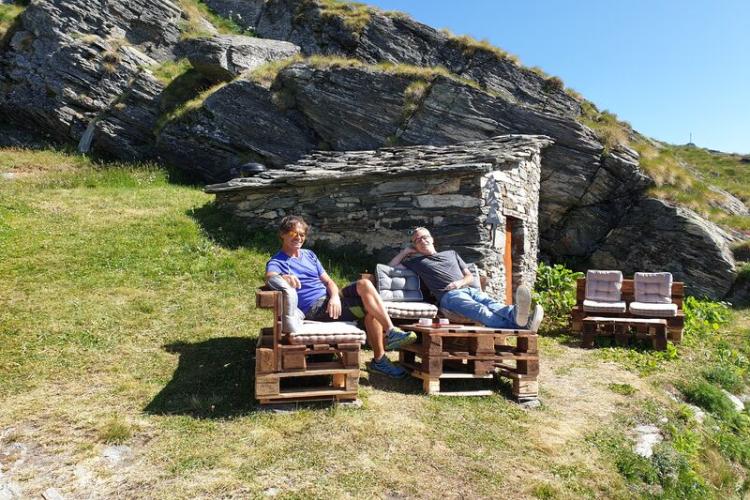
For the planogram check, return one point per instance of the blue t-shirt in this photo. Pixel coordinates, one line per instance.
(307, 269)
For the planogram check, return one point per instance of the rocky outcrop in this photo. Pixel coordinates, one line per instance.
(395, 38)
(656, 236)
(68, 62)
(239, 123)
(224, 57)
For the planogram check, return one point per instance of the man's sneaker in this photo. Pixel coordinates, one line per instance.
(523, 305)
(384, 366)
(536, 318)
(398, 338)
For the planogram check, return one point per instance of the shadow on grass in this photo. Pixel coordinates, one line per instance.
(563, 334)
(214, 379)
(232, 232)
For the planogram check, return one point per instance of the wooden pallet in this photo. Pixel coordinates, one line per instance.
(625, 330)
(310, 373)
(472, 352)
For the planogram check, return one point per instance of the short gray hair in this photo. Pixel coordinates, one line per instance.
(414, 230)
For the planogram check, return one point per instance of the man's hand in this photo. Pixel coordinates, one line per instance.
(334, 307)
(455, 285)
(292, 280)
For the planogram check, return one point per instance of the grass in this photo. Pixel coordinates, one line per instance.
(182, 109)
(198, 14)
(168, 71)
(8, 14)
(471, 47)
(355, 15)
(127, 317)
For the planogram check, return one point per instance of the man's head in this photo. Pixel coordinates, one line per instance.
(421, 239)
(293, 231)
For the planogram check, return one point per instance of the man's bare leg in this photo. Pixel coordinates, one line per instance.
(373, 304)
(374, 335)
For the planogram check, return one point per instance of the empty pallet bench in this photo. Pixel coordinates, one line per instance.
(473, 352)
(318, 362)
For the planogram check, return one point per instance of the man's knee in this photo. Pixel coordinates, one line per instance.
(365, 287)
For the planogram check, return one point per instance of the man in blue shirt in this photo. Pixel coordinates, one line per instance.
(448, 278)
(319, 299)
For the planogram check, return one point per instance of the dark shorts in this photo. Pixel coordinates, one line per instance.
(351, 306)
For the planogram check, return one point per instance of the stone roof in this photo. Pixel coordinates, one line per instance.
(482, 156)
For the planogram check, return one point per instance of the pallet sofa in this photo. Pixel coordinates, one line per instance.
(461, 350)
(642, 303)
(297, 361)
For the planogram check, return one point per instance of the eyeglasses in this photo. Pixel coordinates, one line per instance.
(424, 237)
(294, 234)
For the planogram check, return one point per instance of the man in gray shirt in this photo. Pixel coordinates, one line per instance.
(448, 278)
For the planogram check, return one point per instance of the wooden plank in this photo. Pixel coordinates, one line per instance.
(350, 359)
(315, 373)
(481, 392)
(264, 362)
(527, 344)
(312, 392)
(265, 299)
(528, 367)
(266, 386)
(293, 361)
(508, 260)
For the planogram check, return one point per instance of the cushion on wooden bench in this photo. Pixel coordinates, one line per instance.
(653, 310)
(327, 332)
(604, 307)
(410, 310)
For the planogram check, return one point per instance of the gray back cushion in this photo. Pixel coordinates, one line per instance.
(291, 318)
(398, 285)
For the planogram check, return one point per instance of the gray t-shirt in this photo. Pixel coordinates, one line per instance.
(437, 270)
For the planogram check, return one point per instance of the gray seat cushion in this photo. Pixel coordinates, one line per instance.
(653, 310)
(604, 306)
(410, 310)
(327, 332)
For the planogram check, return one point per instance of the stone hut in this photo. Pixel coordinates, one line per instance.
(480, 198)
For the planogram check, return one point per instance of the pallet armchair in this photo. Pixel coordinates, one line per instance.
(298, 360)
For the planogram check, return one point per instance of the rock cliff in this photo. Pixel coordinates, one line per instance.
(83, 72)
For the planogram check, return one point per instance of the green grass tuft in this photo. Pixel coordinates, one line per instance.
(198, 14)
(168, 71)
(115, 431)
(8, 15)
(624, 389)
(472, 47)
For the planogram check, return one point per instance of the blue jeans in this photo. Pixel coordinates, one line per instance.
(478, 306)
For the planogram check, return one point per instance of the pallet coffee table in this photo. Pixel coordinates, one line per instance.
(473, 352)
(624, 329)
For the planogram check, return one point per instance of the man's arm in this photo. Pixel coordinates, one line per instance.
(396, 261)
(334, 302)
(466, 280)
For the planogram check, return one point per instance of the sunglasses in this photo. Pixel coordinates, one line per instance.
(294, 234)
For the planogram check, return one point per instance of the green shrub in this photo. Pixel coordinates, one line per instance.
(727, 376)
(555, 290)
(704, 317)
(710, 398)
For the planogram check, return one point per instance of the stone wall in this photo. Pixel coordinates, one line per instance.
(368, 200)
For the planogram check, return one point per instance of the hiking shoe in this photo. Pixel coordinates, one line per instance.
(523, 305)
(384, 366)
(398, 338)
(535, 318)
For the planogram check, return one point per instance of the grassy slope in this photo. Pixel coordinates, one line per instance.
(126, 316)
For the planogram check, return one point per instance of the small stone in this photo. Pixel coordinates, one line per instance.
(647, 436)
(737, 402)
(356, 404)
(8, 175)
(699, 414)
(116, 454)
(52, 494)
(271, 492)
(530, 404)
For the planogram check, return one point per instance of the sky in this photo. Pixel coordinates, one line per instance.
(669, 68)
